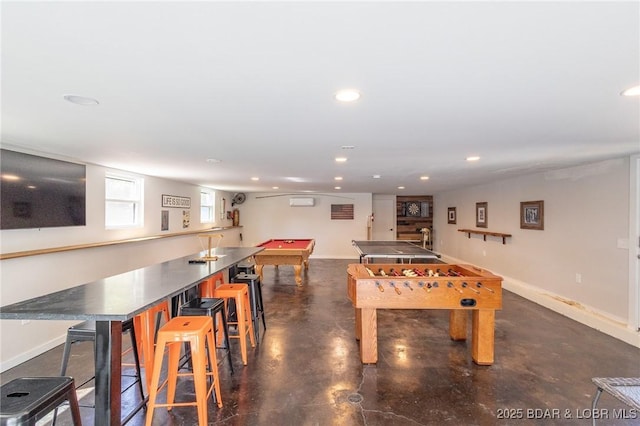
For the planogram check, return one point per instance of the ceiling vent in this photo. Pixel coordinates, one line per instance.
(301, 202)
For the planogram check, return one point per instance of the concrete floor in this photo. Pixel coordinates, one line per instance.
(306, 368)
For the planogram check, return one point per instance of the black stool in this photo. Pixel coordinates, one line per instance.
(180, 299)
(26, 400)
(210, 307)
(255, 294)
(242, 268)
(86, 332)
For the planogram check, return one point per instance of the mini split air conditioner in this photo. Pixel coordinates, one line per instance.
(301, 202)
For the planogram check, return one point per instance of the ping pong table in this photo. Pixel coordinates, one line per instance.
(398, 249)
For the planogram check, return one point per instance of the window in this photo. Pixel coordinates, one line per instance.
(207, 204)
(123, 201)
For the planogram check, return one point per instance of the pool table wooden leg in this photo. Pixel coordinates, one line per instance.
(259, 271)
(298, 271)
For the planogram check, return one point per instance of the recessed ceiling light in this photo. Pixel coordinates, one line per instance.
(212, 160)
(255, 178)
(341, 159)
(474, 158)
(376, 176)
(337, 187)
(424, 177)
(338, 178)
(275, 187)
(81, 100)
(401, 187)
(348, 95)
(632, 91)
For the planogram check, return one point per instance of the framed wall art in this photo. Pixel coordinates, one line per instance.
(532, 215)
(481, 215)
(341, 211)
(164, 220)
(451, 215)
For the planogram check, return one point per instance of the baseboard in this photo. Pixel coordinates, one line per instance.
(613, 326)
(32, 353)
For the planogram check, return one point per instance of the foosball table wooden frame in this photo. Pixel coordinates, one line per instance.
(459, 288)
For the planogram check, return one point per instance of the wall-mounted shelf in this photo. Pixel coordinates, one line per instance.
(485, 233)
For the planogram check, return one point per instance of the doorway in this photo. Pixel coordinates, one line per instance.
(384, 217)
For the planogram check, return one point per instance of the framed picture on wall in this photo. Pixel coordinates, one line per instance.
(164, 220)
(481, 215)
(451, 215)
(532, 215)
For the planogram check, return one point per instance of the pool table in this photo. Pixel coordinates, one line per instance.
(294, 252)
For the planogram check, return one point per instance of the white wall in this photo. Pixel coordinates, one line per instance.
(25, 277)
(267, 215)
(586, 230)
(586, 217)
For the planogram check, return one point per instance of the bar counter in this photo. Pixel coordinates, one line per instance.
(109, 301)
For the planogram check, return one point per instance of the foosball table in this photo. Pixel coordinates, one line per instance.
(458, 288)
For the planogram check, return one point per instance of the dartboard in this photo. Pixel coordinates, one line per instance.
(413, 209)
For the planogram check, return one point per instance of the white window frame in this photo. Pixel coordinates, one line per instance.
(207, 211)
(136, 201)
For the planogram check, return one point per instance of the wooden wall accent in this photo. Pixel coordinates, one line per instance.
(408, 221)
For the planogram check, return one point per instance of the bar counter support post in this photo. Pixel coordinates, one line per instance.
(108, 366)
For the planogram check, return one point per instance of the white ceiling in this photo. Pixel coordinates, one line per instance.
(528, 86)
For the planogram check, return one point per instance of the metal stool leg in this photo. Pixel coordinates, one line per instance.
(595, 402)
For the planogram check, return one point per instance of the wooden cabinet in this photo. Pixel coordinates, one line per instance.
(413, 212)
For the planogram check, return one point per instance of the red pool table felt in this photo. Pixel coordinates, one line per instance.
(296, 244)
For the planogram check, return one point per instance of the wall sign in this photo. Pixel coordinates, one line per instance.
(175, 201)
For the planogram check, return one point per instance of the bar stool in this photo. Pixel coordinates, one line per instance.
(255, 295)
(210, 307)
(245, 267)
(206, 287)
(26, 400)
(146, 325)
(240, 294)
(198, 332)
(86, 332)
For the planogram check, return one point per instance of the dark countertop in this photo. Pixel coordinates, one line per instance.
(122, 296)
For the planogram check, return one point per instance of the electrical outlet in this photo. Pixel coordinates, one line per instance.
(578, 278)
